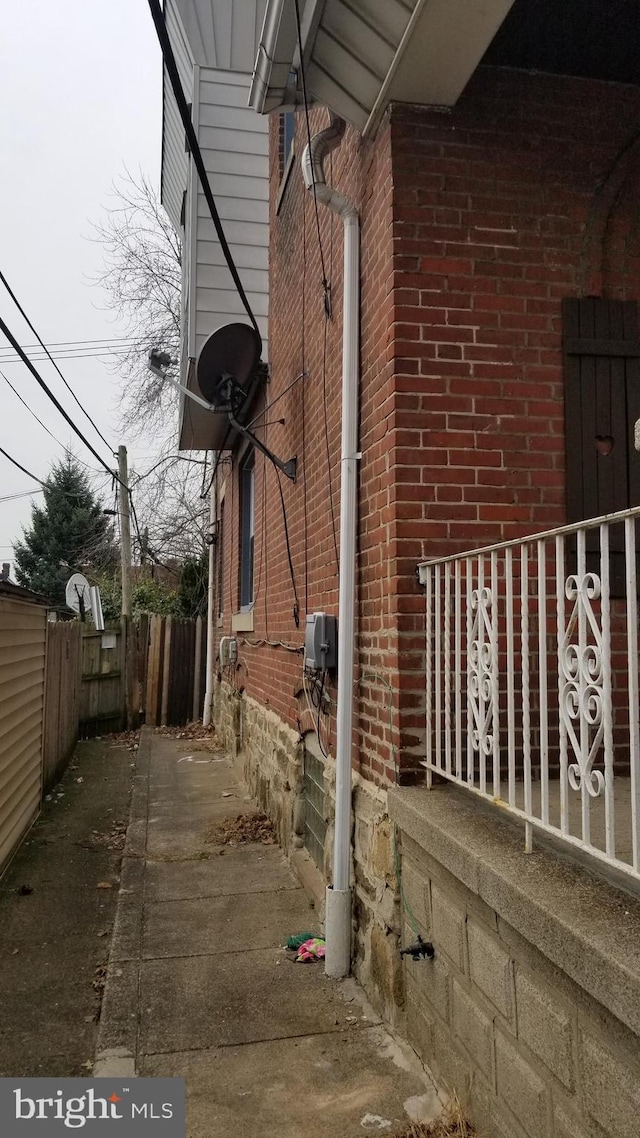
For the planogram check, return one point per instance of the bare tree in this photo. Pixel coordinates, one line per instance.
(170, 509)
(142, 281)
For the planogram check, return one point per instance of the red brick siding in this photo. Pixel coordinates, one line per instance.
(475, 223)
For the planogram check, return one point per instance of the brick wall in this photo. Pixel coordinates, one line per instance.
(475, 224)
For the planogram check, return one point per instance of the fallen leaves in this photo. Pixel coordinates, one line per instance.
(112, 839)
(128, 739)
(241, 829)
(100, 979)
(194, 730)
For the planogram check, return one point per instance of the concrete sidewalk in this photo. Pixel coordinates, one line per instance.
(57, 906)
(200, 986)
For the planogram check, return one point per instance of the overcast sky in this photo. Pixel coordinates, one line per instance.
(80, 99)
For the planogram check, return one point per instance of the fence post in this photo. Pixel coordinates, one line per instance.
(196, 669)
(166, 673)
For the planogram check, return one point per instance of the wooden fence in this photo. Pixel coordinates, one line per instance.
(102, 693)
(61, 698)
(175, 672)
(163, 659)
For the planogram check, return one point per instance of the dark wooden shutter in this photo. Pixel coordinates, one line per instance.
(602, 403)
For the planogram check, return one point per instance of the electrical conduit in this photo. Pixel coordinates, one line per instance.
(338, 897)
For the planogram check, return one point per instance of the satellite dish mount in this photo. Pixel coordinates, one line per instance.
(226, 366)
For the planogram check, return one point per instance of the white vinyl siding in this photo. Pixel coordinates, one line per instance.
(22, 657)
(215, 45)
(235, 149)
(175, 160)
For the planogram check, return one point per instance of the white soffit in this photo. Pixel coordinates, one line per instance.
(446, 45)
(222, 33)
(361, 56)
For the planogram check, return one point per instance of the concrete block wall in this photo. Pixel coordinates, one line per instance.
(531, 1050)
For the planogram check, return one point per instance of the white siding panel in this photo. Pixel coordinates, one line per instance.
(221, 300)
(225, 162)
(246, 257)
(223, 94)
(237, 232)
(217, 276)
(235, 151)
(235, 147)
(242, 209)
(232, 185)
(228, 140)
(174, 156)
(22, 653)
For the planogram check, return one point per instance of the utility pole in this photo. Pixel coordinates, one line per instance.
(125, 531)
(128, 646)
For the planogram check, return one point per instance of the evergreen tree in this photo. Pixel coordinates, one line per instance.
(68, 534)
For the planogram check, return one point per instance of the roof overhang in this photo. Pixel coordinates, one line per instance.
(358, 60)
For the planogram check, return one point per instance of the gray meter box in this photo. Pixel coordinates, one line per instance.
(320, 642)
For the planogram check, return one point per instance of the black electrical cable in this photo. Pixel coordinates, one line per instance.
(296, 607)
(325, 283)
(204, 474)
(36, 374)
(22, 468)
(325, 755)
(44, 427)
(21, 353)
(217, 462)
(285, 391)
(172, 70)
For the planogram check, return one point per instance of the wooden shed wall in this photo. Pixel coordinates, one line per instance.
(22, 660)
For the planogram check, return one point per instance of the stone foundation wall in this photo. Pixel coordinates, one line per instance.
(530, 1009)
(271, 755)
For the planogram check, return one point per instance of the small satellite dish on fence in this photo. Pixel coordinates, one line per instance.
(232, 351)
(78, 594)
(83, 597)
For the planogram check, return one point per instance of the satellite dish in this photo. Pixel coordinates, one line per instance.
(234, 350)
(78, 594)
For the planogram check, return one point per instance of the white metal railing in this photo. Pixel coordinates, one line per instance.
(532, 681)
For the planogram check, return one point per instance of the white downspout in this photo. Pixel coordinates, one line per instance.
(207, 713)
(338, 897)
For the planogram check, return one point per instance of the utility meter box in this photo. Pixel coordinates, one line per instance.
(228, 651)
(321, 642)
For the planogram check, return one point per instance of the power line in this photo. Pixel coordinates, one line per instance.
(82, 343)
(172, 70)
(22, 468)
(32, 412)
(22, 355)
(40, 356)
(36, 374)
(20, 494)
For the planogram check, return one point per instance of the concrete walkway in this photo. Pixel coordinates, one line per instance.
(57, 906)
(200, 986)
